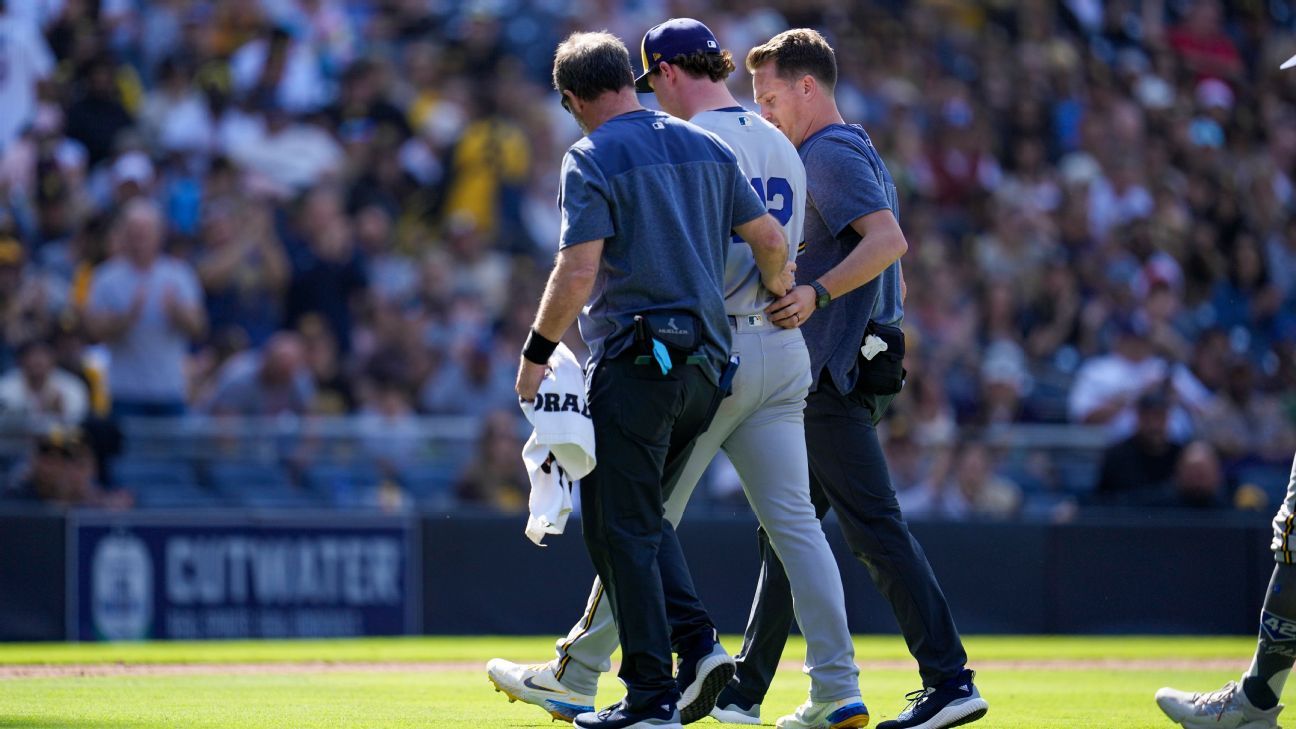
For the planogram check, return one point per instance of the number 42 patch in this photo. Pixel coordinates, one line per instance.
(1277, 629)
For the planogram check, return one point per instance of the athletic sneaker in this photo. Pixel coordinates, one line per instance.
(539, 686)
(616, 716)
(731, 708)
(845, 714)
(1227, 708)
(953, 703)
(701, 677)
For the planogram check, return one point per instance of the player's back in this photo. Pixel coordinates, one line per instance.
(774, 168)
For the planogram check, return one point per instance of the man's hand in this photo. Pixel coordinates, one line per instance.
(794, 309)
(529, 377)
(786, 280)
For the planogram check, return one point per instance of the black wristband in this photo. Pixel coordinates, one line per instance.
(538, 349)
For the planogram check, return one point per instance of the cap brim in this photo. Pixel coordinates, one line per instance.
(642, 85)
(1288, 63)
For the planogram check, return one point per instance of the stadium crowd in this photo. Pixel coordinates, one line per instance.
(268, 207)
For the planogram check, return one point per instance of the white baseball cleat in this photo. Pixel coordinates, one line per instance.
(537, 685)
(844, 714)
(1227, 708)
(735, 714)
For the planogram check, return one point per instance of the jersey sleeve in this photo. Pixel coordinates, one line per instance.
(842, 183)
(584, 200)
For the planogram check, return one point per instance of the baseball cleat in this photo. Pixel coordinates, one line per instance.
(1227, 708)
(701, 678)
(617, 716)
(844, 714)
(731, 708)
(734, 714)
(953, 703)
(539, 686)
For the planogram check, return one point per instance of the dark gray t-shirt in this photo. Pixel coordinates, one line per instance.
(845, 179)
(664, 195)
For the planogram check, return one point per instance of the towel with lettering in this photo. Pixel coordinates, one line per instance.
(560, 451)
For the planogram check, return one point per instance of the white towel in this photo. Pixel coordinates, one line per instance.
(561, 449)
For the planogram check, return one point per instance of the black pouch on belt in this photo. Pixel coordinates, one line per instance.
(677, 331)
(883, 373)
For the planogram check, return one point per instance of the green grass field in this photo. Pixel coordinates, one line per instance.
(1029, 682)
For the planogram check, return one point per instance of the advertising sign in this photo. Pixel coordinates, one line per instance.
(196, 576)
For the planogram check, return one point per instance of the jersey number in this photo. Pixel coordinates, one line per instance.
(775, 188)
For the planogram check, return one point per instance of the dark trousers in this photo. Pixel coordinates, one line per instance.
(848, 473)
(644, 426)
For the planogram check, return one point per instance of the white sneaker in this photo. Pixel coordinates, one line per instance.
(735, 714)
(537, 685)
(1227, 708)
(844, 714)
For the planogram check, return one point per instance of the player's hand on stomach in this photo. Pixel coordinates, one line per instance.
(793, 309)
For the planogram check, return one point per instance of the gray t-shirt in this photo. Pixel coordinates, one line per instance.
(147, 362)
(664, 195)
(845, 179)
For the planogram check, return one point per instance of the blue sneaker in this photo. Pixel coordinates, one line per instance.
(953, 703)
(617, 716)
(701, 677)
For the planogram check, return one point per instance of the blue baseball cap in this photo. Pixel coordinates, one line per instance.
(675, 37)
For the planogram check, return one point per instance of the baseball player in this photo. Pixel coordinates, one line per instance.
(759, 427)
(649, 205)
(1253, 703)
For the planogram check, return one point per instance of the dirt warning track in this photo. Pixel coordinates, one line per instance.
(89, 670)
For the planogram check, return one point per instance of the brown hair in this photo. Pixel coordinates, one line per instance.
(797, 52)
(588, 64)
(715, 66)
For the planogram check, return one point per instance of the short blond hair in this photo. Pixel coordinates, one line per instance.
(796, 53)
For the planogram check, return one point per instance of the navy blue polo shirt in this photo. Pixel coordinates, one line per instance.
(664, 195)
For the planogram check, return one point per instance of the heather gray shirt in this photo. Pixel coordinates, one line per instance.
(664, 195)
(147, 362)
(845, 179)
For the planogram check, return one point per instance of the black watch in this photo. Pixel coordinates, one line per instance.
(822, 297)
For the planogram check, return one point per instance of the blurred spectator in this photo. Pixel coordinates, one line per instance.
(271, 381)
(176, 114)
(26, 61)
(1246, 425)
(1199, 479)
(147, 307)
(1141, 468)
(275, 69)
(334, 393)
(62, 472)
(968, 489)
(472, 383)
(496, 477)
(37, 392)
(328, 274)
(243, 269)
(1107, 387)
(98, 116)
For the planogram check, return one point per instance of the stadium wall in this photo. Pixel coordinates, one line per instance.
(477, 574)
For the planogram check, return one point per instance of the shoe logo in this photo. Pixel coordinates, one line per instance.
(530, 683)
(965, 687)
